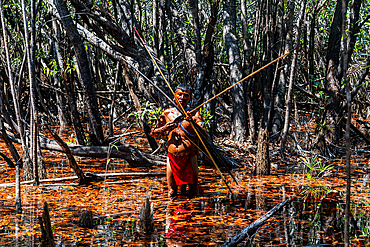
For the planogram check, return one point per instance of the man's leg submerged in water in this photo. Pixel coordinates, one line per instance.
(171, 184)
(193, 187)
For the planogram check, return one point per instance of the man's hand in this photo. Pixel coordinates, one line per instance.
(188, 118)
(169, 126)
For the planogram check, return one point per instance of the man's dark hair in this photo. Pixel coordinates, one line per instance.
(185, 87)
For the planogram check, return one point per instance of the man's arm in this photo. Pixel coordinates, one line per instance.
(162, 126)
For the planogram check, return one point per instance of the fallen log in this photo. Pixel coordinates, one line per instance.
(252, 228)
(122, 174)
(133, 156)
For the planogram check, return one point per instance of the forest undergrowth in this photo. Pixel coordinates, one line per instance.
(315, 216)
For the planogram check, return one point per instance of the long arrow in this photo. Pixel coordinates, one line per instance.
(245, 78)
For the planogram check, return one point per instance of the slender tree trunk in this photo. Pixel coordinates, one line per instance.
(155, 27)
(247, 69)
(162, 30)
(75, 116)
(27, 165)
(96, 131)
(131, 89)
(61, 101)
(246, 42)
(18, 196)
(239, 130)
(255, 87)
(281, 87)
(347, 212)
(139, 17)
(116, 80)
(348, 169)
(311, 49)
(30, 48)
(291, 80)
(194, 12)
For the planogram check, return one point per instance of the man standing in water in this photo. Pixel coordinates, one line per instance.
(182, 163)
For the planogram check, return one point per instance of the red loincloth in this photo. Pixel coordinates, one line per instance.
(181, 168)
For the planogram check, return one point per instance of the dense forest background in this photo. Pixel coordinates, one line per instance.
(82, 64)
(78, 61)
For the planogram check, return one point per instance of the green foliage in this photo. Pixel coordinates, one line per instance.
(207, 117)
(53, 70)
(70, 67)
(149, 110)
(315, 193)
(153, 116)
(315, 167)
(321, 94)
(321, 125)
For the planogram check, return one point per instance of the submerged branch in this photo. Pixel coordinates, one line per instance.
(249, 230)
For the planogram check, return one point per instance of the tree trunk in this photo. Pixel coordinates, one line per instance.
(63, 116)
(196, 26)
(247, 69)
(18, 195)
(263, 165)
(204, 78)
(348, 125)
(332, 115)
(116, 81)
(95, 127)
(291, 80)
(239, 130)
(137, 104)
(30, 50)
(27, 165)
(155, 27)
(162, 30)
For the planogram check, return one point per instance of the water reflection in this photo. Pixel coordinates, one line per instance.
(314, 218)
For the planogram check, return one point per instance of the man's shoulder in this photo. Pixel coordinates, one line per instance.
(170, 110)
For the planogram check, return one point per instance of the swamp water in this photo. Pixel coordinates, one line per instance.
(315, 217)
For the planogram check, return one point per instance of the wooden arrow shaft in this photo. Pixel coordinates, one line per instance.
(250, 75)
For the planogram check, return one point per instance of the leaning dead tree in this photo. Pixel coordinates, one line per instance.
(71, 160)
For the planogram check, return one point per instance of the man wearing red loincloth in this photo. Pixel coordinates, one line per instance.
(182, 163)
